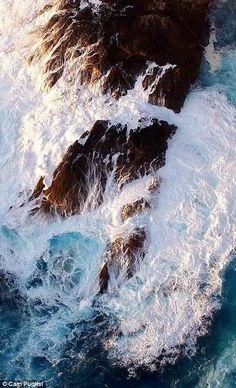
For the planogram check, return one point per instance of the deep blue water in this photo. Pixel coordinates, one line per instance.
(75, 345)
(216, 355)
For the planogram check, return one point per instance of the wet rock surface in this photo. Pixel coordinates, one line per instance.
(136, 208)
(80, 179)
(115, 41)
(38, 189)
(122, 258)
(112, 43)
(79, 182)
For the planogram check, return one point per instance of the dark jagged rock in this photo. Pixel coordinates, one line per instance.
(38, 189)
(113, 43)
(167, 89)
(155, 185)
(108, 149)
(137, 207)
(129, 210)
(123, 253)
(122, 256)
(115, 40)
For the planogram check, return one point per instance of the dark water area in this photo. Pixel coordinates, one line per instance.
(212, 366)
(214, 363)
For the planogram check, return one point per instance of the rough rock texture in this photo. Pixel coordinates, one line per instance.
(137, 207)
(38, 189)
(122, 257)
(115, 40)
(166, 88)
(111, 44)
(124, 253)
(107, 149)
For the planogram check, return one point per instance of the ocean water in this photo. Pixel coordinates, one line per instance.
(173, 324)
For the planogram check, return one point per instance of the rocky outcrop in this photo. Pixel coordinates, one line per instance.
(136, 208)
(111, 44)
(38, 189)
(124, 254)
(131, 209)
(115, 40)
(81, 177)
(80, 180)
(122, 258)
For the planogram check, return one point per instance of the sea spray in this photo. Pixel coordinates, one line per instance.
(171, 299)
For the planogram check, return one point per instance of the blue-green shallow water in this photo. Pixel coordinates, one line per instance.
(81, 361)
(223, 15)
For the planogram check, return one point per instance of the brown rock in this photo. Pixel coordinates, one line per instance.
(38, 189)
(116, 40)
(85, 168)
(114, 44)
(136, 208)
(168, 90)
(155, 185)
(122, 255)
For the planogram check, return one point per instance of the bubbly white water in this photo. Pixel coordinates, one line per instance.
(190, 231)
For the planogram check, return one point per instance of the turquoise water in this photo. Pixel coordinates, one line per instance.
(223, 15)
(225, 78)
(37, 318)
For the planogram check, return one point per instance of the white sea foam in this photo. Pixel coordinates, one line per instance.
(190, 232)
(191, 236)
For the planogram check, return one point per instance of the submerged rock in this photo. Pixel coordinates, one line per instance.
(122, 258)
(137, 207)
(124, 254)
(129, 210)
(80, 179)
(115, 40)
(155, 185)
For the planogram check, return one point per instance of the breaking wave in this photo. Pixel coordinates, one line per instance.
(53, 313)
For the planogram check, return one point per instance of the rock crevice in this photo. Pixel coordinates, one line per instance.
(127, 155)
(113, 44)
(114, 41)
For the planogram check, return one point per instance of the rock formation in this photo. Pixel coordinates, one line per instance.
(136, 208)
(107, 150)
(122, 257)
(111, 44)
(115, 40)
